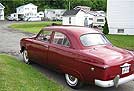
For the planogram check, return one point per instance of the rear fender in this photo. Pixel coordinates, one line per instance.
(72, 72)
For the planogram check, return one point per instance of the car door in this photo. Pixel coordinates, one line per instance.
(59, 51)
(39, 47)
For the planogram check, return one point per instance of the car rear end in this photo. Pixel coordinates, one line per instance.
(116, 74)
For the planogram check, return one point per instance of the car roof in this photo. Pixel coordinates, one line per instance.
(76, 30)
(73, 33)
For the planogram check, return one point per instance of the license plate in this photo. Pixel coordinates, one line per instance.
(125, 70)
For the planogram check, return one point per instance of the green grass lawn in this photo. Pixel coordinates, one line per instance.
(17, 76)
(32, 27)
(123, 41)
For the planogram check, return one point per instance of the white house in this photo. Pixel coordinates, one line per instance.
(27, 12)
(120, 16)
(83, 16)
(1, 12)
(54, 14)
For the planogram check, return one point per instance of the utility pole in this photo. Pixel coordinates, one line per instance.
(69, 4)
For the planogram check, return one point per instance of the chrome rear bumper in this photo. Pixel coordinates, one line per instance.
(115, 82)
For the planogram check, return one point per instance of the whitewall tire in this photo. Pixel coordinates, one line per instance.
(25, 57)
(72, 81)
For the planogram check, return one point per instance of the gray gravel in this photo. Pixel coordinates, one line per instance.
(9, 39)
(9, 43)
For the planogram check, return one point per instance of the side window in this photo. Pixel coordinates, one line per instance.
(61, 39)
(44, 36)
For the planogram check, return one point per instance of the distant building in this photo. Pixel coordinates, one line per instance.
(83, 16)
(54, 14)
(120, 16)
(1, 12)
(27, 12)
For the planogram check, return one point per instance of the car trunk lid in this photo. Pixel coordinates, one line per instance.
(109, 54)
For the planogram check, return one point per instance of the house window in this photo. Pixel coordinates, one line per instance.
(90, 18)
(69, 20)
(100, 20)
(86, 22)
(120, 31)
(26, 8)
(40, 14)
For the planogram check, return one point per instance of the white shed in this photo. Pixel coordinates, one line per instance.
(120, 16)
(1, 12)
(76, 17)
(82, 16)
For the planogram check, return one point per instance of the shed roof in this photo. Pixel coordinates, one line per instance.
(1, 6)
(71, 12)
(84, 9)
(74, 11)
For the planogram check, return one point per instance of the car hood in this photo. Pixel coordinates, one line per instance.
(109, 54)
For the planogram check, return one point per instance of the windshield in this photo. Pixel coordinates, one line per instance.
(93, 39)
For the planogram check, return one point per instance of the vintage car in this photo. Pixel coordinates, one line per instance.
(83, 54)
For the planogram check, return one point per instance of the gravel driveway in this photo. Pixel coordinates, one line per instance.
(9, 39)
(9, 43)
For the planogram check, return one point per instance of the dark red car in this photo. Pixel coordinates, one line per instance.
(83, 54)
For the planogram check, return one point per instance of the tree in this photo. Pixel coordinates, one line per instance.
(106, 29)
(10, 5)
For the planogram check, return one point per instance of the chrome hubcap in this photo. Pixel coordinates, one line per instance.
(71, 80)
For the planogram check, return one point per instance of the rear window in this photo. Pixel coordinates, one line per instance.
(93, 39)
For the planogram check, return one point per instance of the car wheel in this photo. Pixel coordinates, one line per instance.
(25, 57)
(73, 82)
